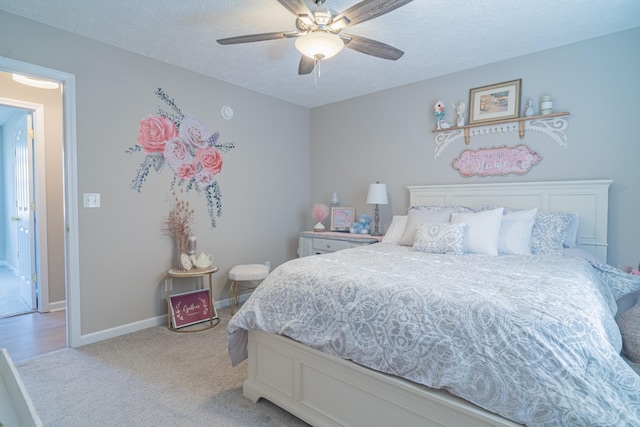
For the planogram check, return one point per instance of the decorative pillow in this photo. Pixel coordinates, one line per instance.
(629, 324)
(419, 216)
(549, 232)
(482, 231)
(440, 238)
(395, 230)
(515, 232)
(571, 239)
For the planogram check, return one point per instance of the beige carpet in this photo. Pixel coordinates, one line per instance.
(154, 377)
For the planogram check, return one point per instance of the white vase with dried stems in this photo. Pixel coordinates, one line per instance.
(178, 225)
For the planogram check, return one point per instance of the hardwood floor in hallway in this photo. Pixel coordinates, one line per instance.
(29, 335)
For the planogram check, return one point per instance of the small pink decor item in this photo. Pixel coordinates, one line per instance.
(319, 213)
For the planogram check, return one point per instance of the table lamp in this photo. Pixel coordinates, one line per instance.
(377, 196)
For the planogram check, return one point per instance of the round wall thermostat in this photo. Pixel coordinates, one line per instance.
(227, 112)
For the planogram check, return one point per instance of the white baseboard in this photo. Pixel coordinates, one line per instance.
(58, 305)
(142, 324)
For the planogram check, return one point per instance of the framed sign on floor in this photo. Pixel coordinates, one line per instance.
(190, 308)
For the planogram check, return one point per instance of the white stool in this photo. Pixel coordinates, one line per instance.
(244, 273)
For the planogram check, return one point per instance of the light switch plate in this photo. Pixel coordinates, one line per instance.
(91, 200)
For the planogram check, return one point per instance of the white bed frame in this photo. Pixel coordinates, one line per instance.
(327, 391)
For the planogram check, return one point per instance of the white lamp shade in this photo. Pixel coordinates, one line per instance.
(319, 44)
(377, 194)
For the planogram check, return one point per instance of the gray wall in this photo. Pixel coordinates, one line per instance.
(123, 254)
(387, 136)
(286, 160)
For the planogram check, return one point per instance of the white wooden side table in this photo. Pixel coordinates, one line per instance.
(324, 242)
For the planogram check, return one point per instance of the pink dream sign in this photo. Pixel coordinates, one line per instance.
(496, 161)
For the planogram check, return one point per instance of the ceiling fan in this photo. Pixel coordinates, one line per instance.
(320, 36)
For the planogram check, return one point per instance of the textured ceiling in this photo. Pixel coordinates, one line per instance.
(437, 36)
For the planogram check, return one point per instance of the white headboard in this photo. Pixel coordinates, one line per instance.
(589, 198)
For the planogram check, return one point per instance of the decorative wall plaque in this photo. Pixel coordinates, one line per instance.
(496, 161)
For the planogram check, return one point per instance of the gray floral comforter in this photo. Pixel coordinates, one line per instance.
(532, 338)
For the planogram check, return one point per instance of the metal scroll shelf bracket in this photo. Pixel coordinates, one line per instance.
(553, 125)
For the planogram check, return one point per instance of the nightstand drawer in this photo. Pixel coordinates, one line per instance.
(330, 245)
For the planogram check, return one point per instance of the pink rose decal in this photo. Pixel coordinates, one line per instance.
(186, 171)
(194, 132)
(154, 132)
(176, 153)
(181, 143)
(203, 179)
(210, 159)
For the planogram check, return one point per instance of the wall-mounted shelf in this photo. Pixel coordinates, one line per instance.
(553, 125)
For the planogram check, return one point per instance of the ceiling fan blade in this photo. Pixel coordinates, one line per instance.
(257, 37)
(297, 7)
(306, 65)
(371, 47)
(366, 10)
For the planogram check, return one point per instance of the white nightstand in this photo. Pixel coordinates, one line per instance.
(314, 243)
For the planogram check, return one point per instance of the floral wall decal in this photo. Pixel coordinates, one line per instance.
(184, 144)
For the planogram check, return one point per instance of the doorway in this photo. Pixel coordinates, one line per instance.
(67, 251)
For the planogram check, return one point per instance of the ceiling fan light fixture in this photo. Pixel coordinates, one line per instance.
(319, 44)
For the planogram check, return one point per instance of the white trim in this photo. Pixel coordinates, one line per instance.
(72, 270)
(57, 306)
(138, 326)
(122, 330)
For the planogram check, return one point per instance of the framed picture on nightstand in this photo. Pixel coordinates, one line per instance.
(342, 219)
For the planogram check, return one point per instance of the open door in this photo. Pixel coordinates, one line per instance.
(25, 209)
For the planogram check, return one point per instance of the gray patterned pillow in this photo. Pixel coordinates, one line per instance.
(416, 217)
(549, 232)
(440, 238)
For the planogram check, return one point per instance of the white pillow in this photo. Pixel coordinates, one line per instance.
(395, 230)
(515, 232)
(482, 232)
(415, 217)
(440, 238)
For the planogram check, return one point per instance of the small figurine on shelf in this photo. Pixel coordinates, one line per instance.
(438, 113)
(459, 107)
(363, 225)
(529, 111)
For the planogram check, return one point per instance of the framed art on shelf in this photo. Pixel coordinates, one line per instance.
(190, 308)
(495, 102)
(342, 219)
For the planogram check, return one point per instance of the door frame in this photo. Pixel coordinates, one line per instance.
(39, 178)
(70, 176)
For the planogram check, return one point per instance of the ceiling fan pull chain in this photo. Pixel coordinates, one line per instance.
(316, 75)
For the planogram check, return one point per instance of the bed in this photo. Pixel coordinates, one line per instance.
(454, 356)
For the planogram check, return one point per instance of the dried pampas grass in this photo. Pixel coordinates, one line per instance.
(178, 223)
